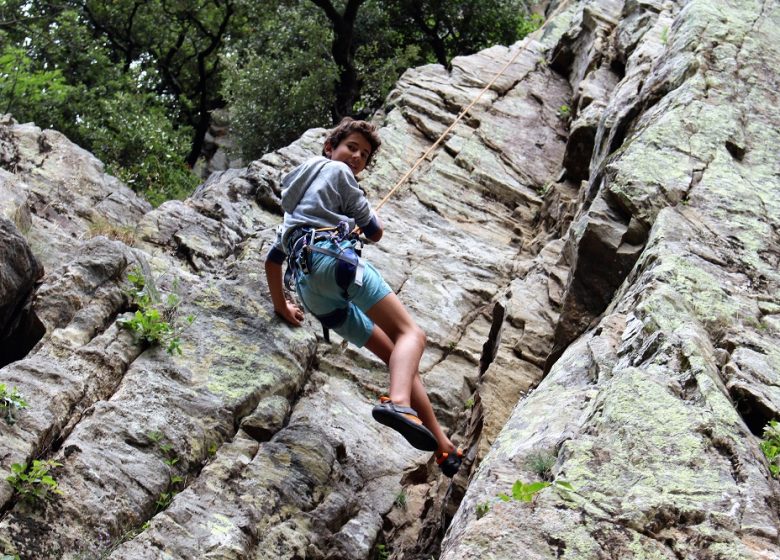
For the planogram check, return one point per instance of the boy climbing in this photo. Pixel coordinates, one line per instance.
(323, 203)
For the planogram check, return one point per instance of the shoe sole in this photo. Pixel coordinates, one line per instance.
(450, 466)
(417, 435)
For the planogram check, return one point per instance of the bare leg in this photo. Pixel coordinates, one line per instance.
(390, 315)
(382, 346)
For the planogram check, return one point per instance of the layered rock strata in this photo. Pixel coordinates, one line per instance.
(593, 254)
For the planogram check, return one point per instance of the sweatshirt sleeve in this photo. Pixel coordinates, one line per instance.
(353, 201)
(276, 254)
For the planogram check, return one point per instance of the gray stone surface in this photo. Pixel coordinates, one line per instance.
(597, 284)
(654, 409)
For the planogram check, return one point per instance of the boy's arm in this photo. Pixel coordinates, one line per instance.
(284, 308)
(374, 230)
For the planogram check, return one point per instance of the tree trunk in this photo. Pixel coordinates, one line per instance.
(343, 51)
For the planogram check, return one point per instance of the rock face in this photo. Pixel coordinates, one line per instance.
(593, 253)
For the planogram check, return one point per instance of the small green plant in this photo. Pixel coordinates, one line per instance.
(544, 189)
(523, 492)
(175, 482)
(10, 402)
(469, 404)
(156, 437)
(155, 321)
(382, 553)
(482, 509)
(665, 35)
(564, 112)
(400, 500)
(541, 463)
(33, 482)
(770, 445)
(213, 448)
(164, 500)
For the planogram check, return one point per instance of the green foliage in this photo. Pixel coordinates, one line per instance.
(665, 35)
(33, 482)
(541, 463)
(270, 102)
(57, 71)
(379, 73)
(449, 29)
(175, 482)
(136, 82)
(770, 445)
(564, 112)
(9, 557)
(482, 509)
(400, 500)
(286, 76)
(545, 189)
(24, 87)
(148, 155)
(155, 321)
(523, 492)
(382, 552)
(469, 404)
(528, 24)
(10, 402)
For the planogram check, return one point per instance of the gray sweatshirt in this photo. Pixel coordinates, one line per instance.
(321, 193)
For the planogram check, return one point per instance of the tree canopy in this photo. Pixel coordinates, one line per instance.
(136, 81)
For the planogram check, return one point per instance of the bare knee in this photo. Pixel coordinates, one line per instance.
(419, 336)
(412, 333)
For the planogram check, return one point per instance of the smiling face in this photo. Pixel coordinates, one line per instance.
(354, 150)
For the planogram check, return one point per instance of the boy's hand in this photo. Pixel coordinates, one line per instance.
(291, 313)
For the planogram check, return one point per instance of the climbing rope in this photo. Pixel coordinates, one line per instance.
(422, 158)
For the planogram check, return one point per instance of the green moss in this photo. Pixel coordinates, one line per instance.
(220, 524)
(580, 543)
(729, 551)
(643, 550)
(688, 277)
(652, 455)
(240, 371)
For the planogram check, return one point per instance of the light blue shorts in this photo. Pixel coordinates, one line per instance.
(324, 298)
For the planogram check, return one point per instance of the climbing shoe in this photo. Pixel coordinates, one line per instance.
(405, 421)
(449, 463)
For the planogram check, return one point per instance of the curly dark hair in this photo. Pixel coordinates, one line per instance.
(349, 125)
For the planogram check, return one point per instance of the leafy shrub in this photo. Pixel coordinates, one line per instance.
(149, 152)
(155, 321)
(33, 482)
(770, 445)
(130, 131)
(10, 401)
(528, 24)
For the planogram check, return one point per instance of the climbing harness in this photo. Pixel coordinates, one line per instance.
(349, 246)
(304, 242)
